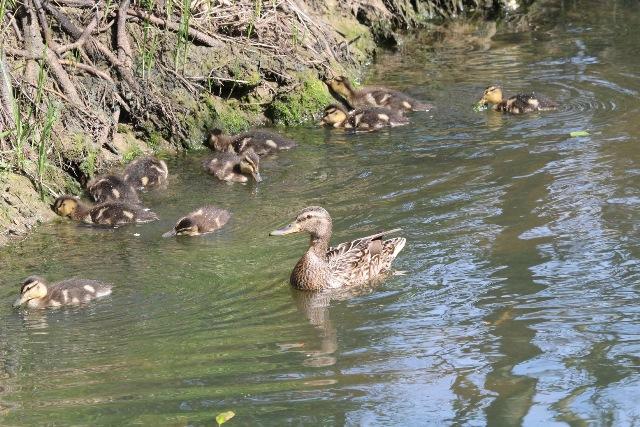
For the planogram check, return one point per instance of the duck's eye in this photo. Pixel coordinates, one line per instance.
(309, 216)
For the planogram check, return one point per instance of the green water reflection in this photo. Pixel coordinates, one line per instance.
(521, 302)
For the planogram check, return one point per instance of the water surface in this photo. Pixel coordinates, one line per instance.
(521, 301)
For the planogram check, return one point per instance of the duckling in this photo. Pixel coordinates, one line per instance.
(112, 188)
(146, 172)
(348, 264)
(375, 96)
(517, 104)
(109, 213)
(205, 220)
(365, 119)
(262, 141)
(234, 167)
(36, 293)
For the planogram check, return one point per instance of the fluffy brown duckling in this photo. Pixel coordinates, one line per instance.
(112, 188)
(109, 213)
(348, 264)
(36, 293)
(261, 141)
(234, 167)
(205, 220)
(517, 104)
(375, 96)
(364, 119)
(146, 172)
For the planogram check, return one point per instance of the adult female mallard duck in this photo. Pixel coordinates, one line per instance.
(112, 188)
(36, 293)
(261, 141)
(364, 119)
(146, 172)
(348, 264)
(517, 104)
(234, 167)
(375, 96)
(205, 220)
(109, 213)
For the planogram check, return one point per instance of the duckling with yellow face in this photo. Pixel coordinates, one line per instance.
(517, 104)
(261, 141)
(36, 293)
(365, 119)
(109, 213)
(375, 96)
(234, 167)
(205, 220)
(112, 188)
(146, 172)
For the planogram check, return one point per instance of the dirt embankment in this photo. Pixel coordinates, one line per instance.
(87, 84)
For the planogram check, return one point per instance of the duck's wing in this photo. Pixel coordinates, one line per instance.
(525, 103)
(394, 99)
(363, 259)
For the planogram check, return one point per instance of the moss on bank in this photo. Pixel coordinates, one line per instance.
(303, 103)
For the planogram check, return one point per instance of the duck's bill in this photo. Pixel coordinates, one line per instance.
(19, 302)
(257, 176)
(291, 228)
(169, 233)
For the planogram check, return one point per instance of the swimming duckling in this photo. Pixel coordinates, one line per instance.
(36, 293)
(262, 141)
(112, 188)
(348, 264)
(375, 96)
(108, 213)
(205, 220)
(234, 167)
(365, 119)
(517, 104)
(146, 172)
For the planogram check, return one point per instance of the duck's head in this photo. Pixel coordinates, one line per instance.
(66, 205)
(334, 115)
(250, 164)
(313, 220)
(185, 227)
(33, 287)
(341, 86)
(491, 95)
(218, 141)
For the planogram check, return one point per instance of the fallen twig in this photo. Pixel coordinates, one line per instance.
(93, 70)
(83, 37)
(197, 35)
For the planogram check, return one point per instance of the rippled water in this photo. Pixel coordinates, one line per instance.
(521, 301)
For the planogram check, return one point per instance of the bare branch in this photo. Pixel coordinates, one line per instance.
(197, 35)
(122, 37)
(93, 70)
(44, 25)
(6, 98)
(83, 37)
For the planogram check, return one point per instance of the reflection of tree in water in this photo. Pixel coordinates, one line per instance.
(315, 306)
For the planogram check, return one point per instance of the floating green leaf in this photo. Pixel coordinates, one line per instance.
(579, 133)
(223, 417)
(479, 106)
